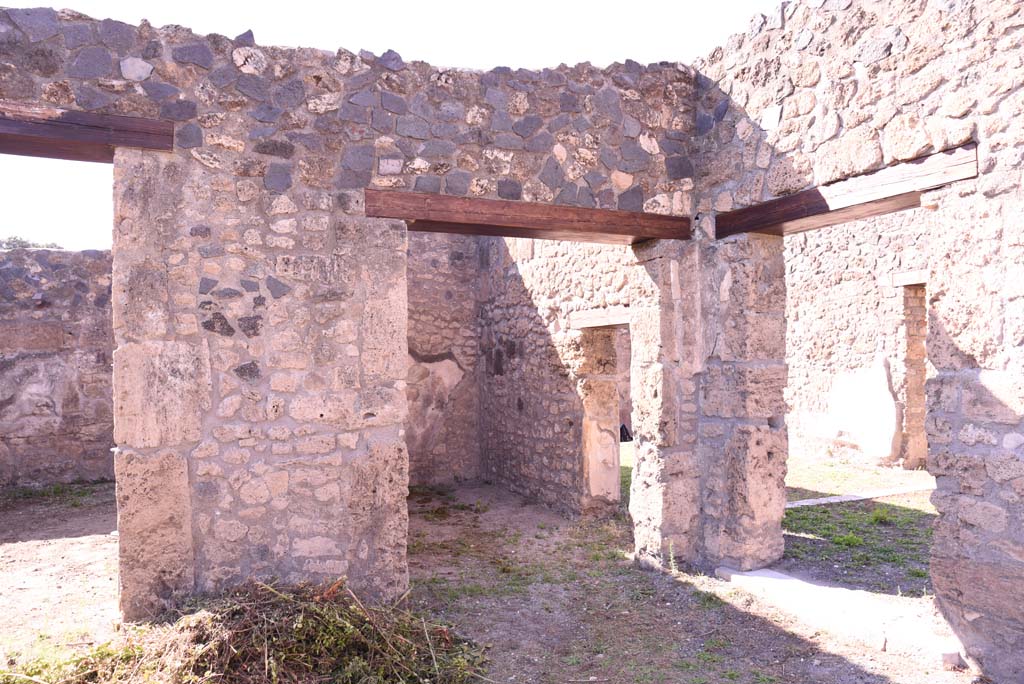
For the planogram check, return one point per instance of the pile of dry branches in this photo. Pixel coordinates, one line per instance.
(259, 633)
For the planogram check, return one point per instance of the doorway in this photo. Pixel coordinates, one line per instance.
(58, 519)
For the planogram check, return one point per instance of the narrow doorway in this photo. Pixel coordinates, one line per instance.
(607, 447)
(915, 322)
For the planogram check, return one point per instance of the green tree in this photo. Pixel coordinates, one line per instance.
(15, 242)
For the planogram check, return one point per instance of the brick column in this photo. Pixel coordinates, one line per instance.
(914, 446)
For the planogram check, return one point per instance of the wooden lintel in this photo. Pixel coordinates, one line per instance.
(893, 188)
(599, 318)
(79, 136)
(504, 218)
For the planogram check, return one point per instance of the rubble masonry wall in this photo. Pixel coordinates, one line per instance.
(56, 341)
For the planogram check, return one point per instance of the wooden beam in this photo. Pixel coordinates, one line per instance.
(444, 214)
(79, 136)
(599, 318)
(894, 188)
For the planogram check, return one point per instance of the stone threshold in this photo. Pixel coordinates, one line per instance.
(896, 624)
(844, 498)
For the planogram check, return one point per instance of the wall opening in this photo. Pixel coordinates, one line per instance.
(607, 424)
(859, 512)
(58, 516)
(914, 446)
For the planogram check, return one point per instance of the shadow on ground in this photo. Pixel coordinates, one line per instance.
(57, 512)
(879, 545)
(559, 601)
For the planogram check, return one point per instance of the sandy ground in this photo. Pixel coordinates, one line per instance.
(58, 571)
(557, 601)
(810, 477)
(554, 601)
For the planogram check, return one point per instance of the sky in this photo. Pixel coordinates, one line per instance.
(70, 203)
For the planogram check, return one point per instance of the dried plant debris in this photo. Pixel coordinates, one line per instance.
(261, 633)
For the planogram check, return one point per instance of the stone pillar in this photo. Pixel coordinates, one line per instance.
(914, 446)
(161, 391)
(665, 317)
(741, 423)
(708, 376)
(259, 384)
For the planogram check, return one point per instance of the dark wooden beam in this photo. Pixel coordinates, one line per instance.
(504, 218)
(894, 188)
(79, 136)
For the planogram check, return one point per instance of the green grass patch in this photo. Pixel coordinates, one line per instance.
(848, 539)
(74, 495)
(868, 544)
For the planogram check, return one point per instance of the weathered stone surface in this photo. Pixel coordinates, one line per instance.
(91, 62)
(197, 53)
(56, 417)
(135, 69)
(116, 35)
(713, 324)
(277, 288)
(855, 152)
(38, 24)
(154, 523)
(278, 177)
(336, 408)
(161, 392)
(178, 110)
(248, 371)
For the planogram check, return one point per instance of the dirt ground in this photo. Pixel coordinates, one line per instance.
(812, 477)
(554, 601)
(557, 601)
(58, 569)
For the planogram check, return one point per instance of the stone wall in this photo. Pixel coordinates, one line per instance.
(532, 408)
(261, 322)
(445, 368)
(848, 341)
(819, 91)
(56, 340)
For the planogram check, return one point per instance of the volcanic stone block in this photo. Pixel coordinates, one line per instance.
(161, 391)
(154, 524)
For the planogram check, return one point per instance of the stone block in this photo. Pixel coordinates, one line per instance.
(154, 523)
(740, 391)
(384, 325)
(336, 408)
(162, 390)
(747, 532)
(380, 519)
(21, 336)
(656, 404)
(857, 151)
(994, 396)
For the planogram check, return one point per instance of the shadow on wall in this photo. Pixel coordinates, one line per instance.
(975, 431)
(778, 125)
(531, 409)
(445, 373)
